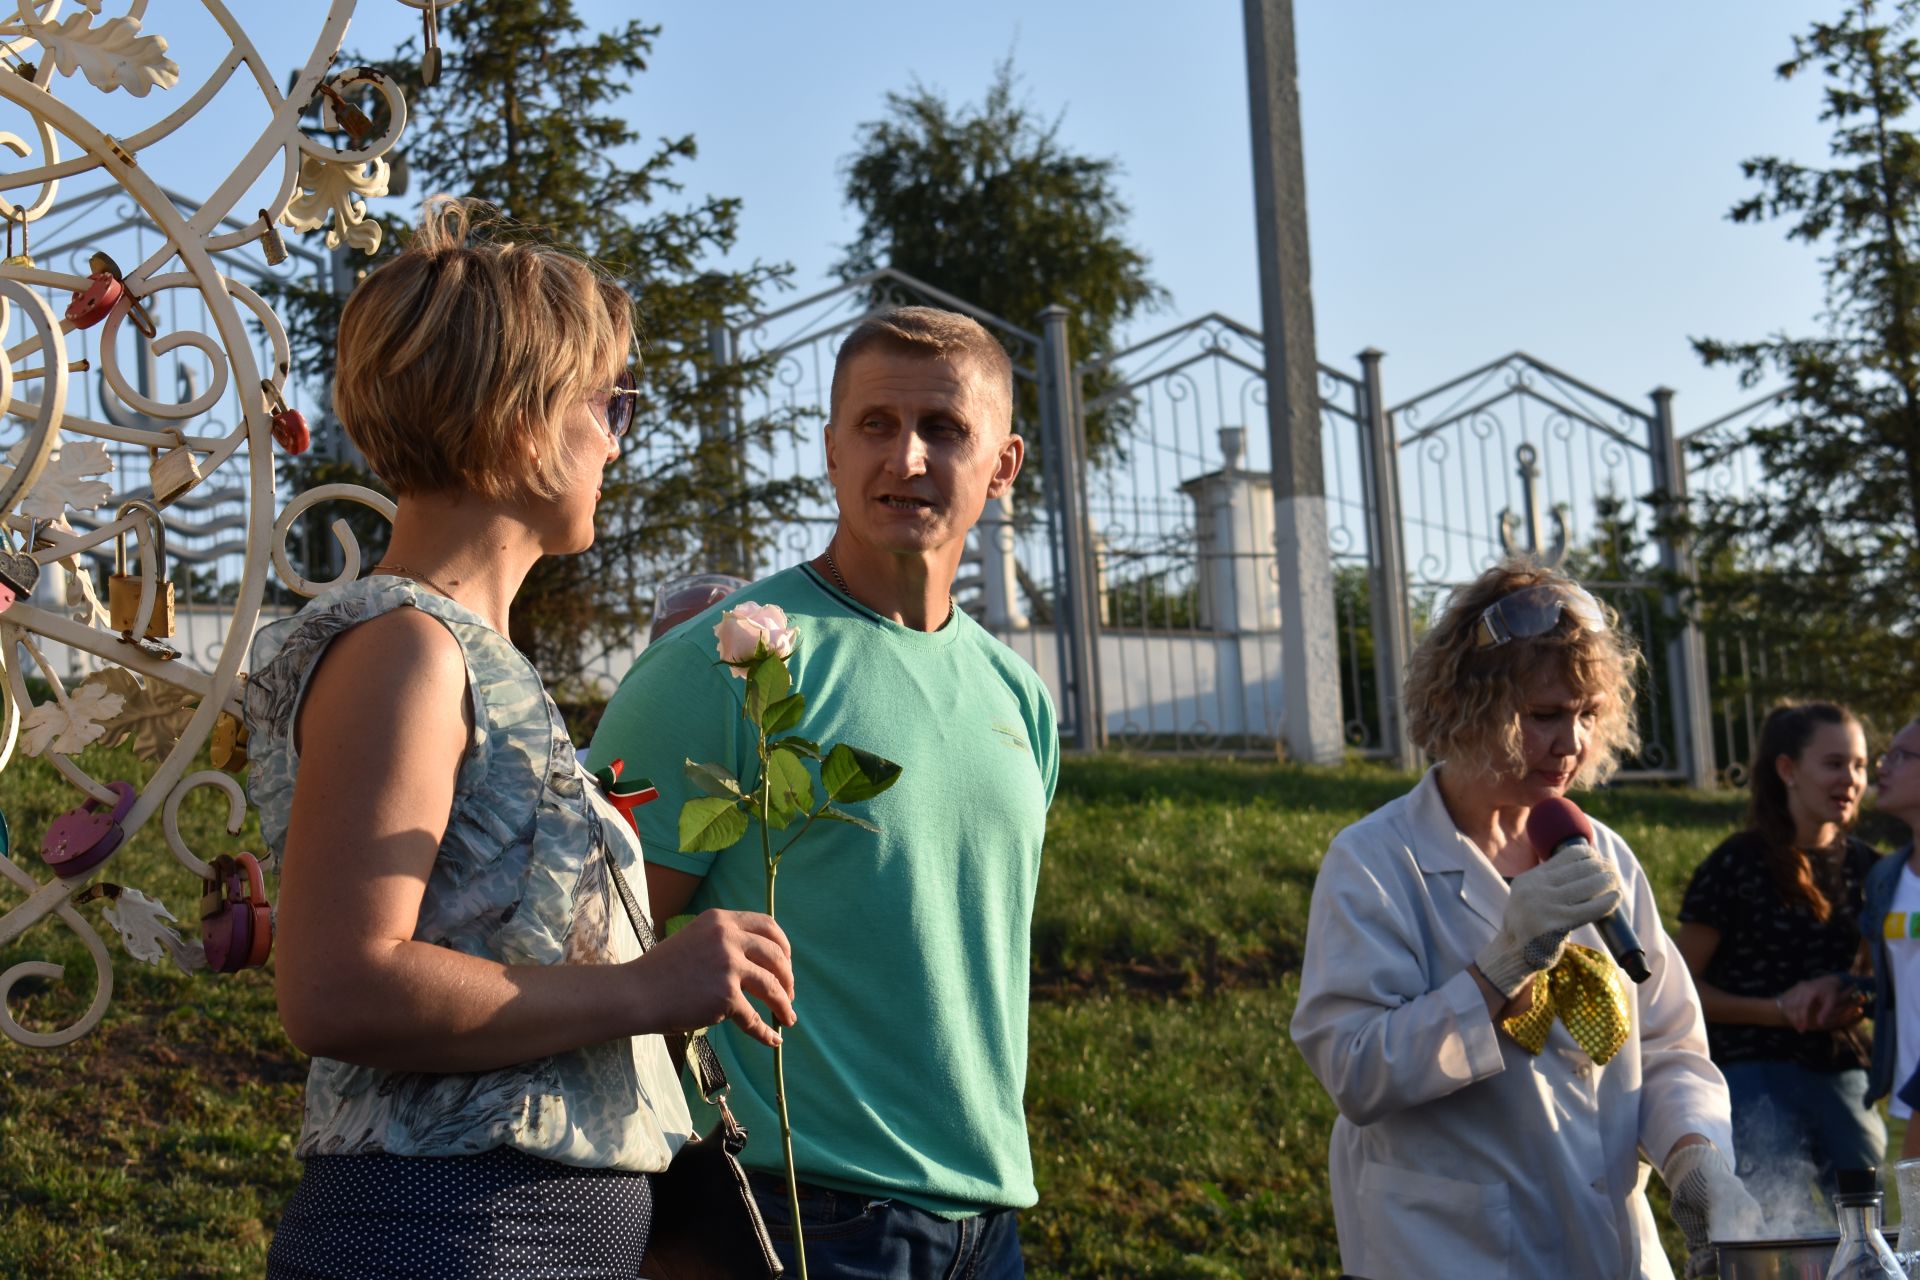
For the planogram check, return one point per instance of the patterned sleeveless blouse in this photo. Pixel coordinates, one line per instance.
(521, 878)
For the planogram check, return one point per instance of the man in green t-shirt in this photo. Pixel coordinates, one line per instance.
(907, 1070)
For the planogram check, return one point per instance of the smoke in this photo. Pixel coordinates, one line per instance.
(1779, 1175)
(1791, 1203)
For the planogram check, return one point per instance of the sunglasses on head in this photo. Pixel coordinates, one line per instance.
(1535, 611)
(622, 396)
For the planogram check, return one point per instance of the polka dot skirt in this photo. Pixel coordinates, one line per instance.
(496, 1216)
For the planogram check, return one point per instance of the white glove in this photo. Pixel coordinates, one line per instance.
(1708, 1200)
(1577, 886)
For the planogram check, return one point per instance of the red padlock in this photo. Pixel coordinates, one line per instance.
(289, 424)
(236, 920)
(91, 305)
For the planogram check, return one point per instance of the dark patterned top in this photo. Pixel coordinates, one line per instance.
(1766, 946)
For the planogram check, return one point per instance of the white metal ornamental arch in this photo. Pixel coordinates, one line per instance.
(68, 68)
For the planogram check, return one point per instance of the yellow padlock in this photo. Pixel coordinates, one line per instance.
(124, 589)
(228, 746)
(175, 471)
(22, 258)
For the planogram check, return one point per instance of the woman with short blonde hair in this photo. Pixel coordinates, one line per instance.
(1497, 1075)
(488, 1094)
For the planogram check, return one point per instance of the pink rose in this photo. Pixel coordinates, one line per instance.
(748, 631)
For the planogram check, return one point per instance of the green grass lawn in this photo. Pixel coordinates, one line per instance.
(1176, 1132)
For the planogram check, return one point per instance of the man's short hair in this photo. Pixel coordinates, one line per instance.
(930, 333)
(467, 347)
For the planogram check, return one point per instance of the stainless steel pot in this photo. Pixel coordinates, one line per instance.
(1806, 1258)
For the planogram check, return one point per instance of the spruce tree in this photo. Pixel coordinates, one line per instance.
(524, 115)
(986, 203)
(1820, 564)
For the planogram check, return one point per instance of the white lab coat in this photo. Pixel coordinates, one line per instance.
(1457, 1153)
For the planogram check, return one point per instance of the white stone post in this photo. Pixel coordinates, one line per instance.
(1233, 520)
(999, 571)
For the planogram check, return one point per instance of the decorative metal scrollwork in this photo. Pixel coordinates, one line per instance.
(53, 453)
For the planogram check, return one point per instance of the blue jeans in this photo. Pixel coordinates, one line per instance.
(857, 1237)
(1784, 1113)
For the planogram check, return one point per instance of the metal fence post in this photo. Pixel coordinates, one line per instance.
(731, 551)
(1687, 652)
(1076, 607)
(1392, 620)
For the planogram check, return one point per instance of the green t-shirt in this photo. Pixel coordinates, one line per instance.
(907, 1071)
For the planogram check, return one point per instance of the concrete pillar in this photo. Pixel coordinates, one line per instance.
(1310, 651)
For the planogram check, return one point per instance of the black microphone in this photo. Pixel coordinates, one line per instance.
(1558, 823)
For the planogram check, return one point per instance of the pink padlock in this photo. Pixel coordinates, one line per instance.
(90, 306)
(81, 839)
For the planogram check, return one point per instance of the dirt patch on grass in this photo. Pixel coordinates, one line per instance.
(140, 1052)
(1194, 976)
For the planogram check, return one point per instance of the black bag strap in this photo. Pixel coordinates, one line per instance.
(707, 1072)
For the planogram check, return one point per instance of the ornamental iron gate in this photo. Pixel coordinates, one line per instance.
(1181, 504)
(1518, 457)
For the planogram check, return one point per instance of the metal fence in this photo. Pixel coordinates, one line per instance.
(1135, 567)
(1520, 457)
(1180, 499)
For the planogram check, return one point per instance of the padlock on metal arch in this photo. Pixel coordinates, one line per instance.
(124, 589)
(173, 471)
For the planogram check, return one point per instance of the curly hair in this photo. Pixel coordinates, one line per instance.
(470, 344)
(1787, 731)
(1464, 702)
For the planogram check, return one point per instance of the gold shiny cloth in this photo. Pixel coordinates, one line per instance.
(1588, 993)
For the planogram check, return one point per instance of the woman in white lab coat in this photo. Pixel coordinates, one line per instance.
(1460, 1151)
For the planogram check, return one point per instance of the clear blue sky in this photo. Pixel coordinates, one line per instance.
(1481, 176)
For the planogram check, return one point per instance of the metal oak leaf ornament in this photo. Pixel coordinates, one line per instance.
(65, 481)
(68, 727)
(113, 55)
(143, 925)
(152, 716)
(329, 187)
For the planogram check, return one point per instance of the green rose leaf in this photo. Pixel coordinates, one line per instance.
(785, 714)
(801, 746)
(789, 788)
(841, 815)
(713, 780)
(852, 775)
(767, 684)
(710, 823)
